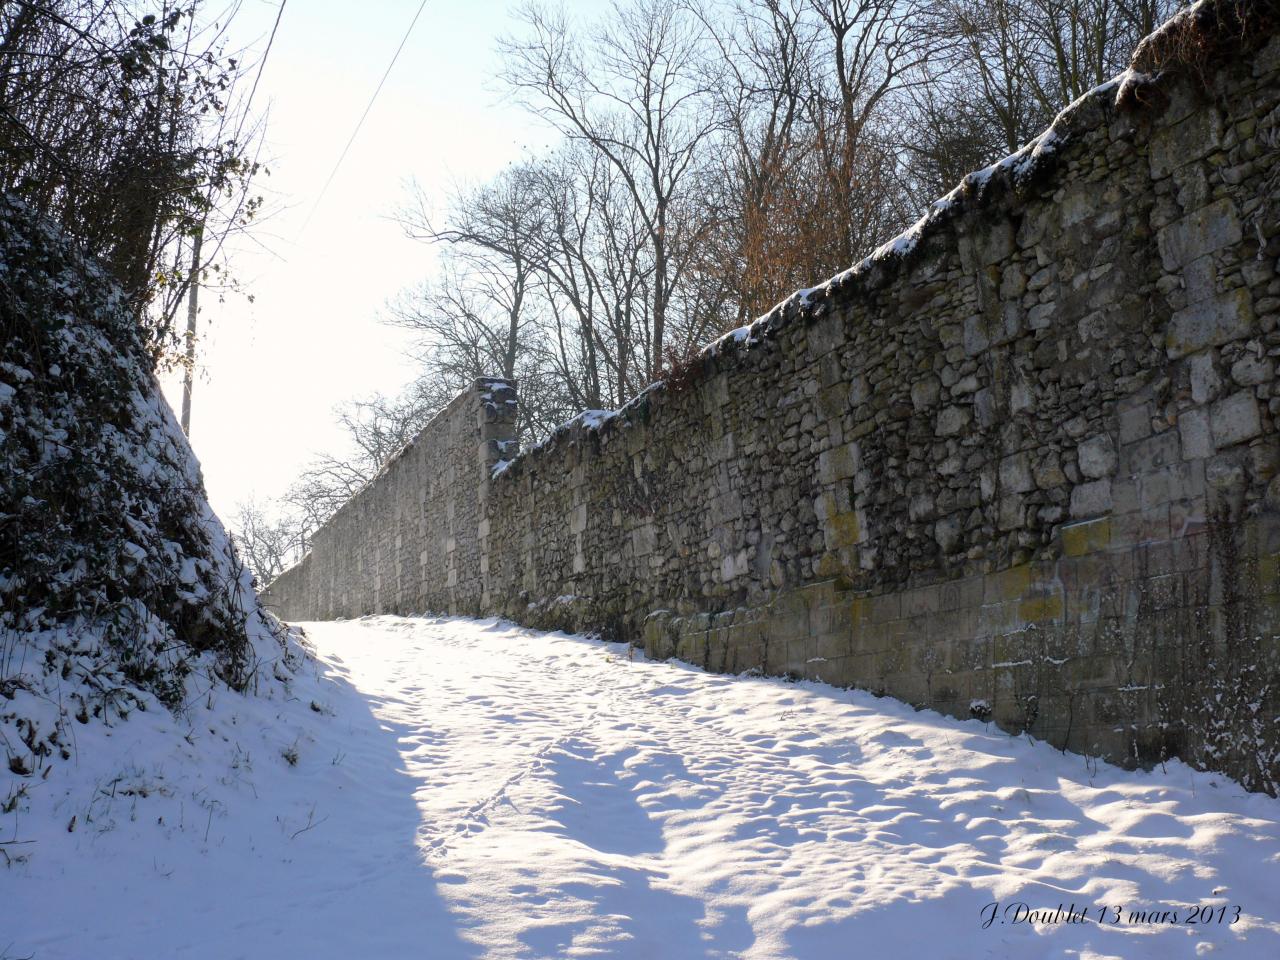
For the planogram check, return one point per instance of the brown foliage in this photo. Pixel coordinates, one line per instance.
(1193, 43)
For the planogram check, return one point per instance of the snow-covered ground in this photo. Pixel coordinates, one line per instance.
(449, 788)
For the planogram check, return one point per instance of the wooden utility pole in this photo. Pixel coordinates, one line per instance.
(193, 294)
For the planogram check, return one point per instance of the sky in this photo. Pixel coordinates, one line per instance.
(271, 372)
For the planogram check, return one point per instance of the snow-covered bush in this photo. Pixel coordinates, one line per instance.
(117, 582)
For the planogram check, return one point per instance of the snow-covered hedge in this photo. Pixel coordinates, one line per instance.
(117, 582)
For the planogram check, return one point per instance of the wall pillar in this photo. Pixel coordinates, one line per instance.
(497, 412)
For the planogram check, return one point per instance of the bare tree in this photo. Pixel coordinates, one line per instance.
(596, 277)
(760, 77)
(268, 540)
(492, 234)
(119, 121)
(715, 157)
(1001, 70)
(635, 95)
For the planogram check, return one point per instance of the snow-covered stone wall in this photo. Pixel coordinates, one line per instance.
(1022, 463)
(413, 539)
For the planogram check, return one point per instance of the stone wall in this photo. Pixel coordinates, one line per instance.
(1021, 464)
(411, 540)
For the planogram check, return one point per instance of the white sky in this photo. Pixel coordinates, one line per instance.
(271, 372)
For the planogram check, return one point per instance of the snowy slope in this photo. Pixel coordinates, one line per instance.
(476, 789)
(120, 592)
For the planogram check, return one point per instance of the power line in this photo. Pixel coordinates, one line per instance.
(354, 133)
(244, 115)
(262, 63)
(193, 282)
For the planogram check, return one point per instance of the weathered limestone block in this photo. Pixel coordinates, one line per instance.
(953, 420)
(1203, 231)
(1252, 370)
(1186, 142)
(1091, 499)
(1218, 320)
(1235, 419)
(1097, 457)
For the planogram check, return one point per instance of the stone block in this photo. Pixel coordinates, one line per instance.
(1007, 585)
(1235, 419)
(1249, 371)
(1202, 374)
(920, 601)
(984, 406)
(1210, 228)
(952, 626)
(829, 619)
(885, 607)
(832, 670)
(1151, 454)
(1147, 525)
(1088, 536)
(995, 619)
(1047, 471)
(1186, 480)
(1015, 474)
(925, 392)
(830, 402)
(1097, 457)
(1195, 137)
(843, 529)
(1193, 428)
(1135, 423)
(1012, 512)
(832, 645)
(1200, 279)
(1220, 319)
(976, 337)
(953, 420)
(993, 244)
(839, 463)
(860, 669)
(1044, 605)
(1165, 591)
(1126, 495)
(910, 685)
(948, 533)
(1156, 488)
(1188, 518)
(1091, 499)
(1040, 316)
(965, 594)
(825, 334)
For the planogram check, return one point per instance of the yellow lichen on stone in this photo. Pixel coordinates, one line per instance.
(1269, 574)
(1042, 608)
(1091, 536)
(829, 565)
(1012, 584)
(846, 529)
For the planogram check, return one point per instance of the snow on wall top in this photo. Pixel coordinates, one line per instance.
(1214, 23)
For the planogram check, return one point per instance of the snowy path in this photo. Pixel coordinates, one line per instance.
(487, 791)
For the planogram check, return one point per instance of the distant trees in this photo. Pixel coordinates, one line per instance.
(631, 89)
(268, 542)
(714, 157)
(119, 121)
(1002, 69)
